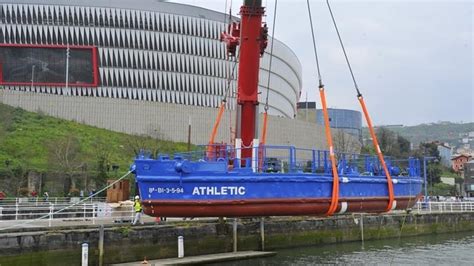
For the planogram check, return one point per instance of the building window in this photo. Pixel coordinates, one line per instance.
(26, 65)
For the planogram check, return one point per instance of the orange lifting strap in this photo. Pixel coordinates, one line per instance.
(216, 126)
(379, 153)
(264, 130)
(264, 139)
(335, 183)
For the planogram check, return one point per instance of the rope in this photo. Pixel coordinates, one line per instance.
(216, 123)
(265, 114)
(335, 187)
(314, 44)
(271, 55)
(67, 207)
(220, 112)
(343, 49)
(391, 196)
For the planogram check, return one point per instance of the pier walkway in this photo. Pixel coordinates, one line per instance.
(210, 258)
(18, 217)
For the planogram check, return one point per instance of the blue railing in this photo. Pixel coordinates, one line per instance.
(288, 159)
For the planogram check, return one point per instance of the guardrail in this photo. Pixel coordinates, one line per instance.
(444, 206)
(40, 200)
(39, 213)
(47, 214)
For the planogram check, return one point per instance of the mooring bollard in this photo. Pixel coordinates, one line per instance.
(85, 254)
(101, 245)
(234, 232)
(180, 247)
(262, 232)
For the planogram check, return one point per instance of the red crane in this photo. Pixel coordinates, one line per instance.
(252, 36)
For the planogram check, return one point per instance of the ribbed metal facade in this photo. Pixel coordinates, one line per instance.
(147, 50)
(349, 121)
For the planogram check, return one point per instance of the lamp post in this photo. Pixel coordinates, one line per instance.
(67, 69)
(425, 159)
(32, 75)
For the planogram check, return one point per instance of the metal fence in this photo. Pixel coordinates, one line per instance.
(62, 211)
(444, 206)
(38, 201)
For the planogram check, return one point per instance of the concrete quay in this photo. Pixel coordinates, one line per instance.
(123, 242)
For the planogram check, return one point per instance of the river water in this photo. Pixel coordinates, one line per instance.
(443, 249)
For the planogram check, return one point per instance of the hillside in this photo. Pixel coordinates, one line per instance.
(444, 132)
(34, 142)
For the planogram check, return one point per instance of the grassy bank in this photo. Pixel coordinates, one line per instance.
(36, 143)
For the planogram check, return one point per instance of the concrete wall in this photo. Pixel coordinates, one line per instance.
(169, 121)
(62, 246)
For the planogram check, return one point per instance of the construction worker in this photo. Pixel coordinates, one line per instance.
(137, 207)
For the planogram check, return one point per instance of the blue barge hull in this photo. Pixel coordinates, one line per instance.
(183, 188)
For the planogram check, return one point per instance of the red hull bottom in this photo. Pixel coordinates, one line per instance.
(269, 207)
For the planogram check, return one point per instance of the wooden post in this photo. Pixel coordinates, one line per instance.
(101, 245)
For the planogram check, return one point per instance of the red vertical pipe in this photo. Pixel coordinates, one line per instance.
(95, 67)
(249, 64)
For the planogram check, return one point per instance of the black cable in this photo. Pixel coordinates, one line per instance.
(343, 49)
(271, 56)
(229, 80)
(314, 45)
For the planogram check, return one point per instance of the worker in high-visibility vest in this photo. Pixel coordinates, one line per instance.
(137, 207)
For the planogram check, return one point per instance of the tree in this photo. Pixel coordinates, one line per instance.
(393, 144)
(434, 168)
(345, 143)
(404, 146)
(153, 142)
(63, 157)
(102, 162)
(388, 142)
(14, 178)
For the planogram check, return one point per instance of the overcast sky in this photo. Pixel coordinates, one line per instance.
(413, 61)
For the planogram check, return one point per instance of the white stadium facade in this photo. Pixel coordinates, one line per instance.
(146, 50)
(136, 67)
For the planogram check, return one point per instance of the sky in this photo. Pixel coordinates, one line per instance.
(413, 60)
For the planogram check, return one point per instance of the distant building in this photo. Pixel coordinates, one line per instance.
(445, 152)
(469, 178)
(448, 180)
(350, 121)
(306, 111)
(459, 161)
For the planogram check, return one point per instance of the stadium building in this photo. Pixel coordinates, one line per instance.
(141, 50)
(138, 67)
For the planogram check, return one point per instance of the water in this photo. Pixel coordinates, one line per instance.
(444, 249)
(454, 249)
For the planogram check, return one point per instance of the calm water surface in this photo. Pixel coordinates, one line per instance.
(445, 249)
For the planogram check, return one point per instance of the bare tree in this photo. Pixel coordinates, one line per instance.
(345, 143)
(153, 142)
(64, 159)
